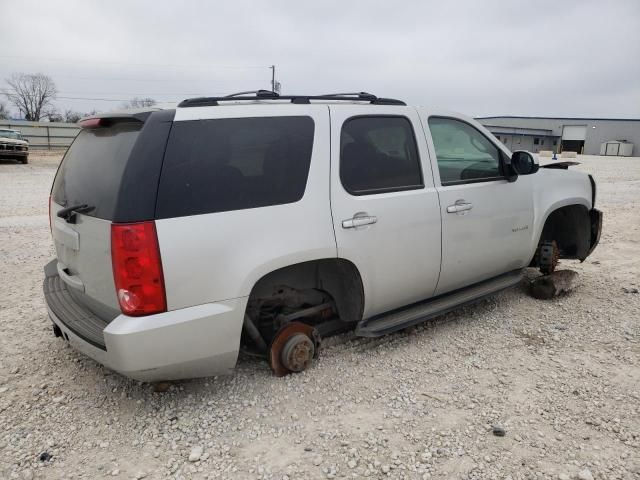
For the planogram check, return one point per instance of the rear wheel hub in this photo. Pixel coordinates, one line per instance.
(293, 348)
(297, 353)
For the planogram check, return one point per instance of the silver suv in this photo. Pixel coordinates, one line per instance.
(264, 223)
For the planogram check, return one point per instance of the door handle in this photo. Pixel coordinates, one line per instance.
(459, 206)
(359, 221)
(71, 280)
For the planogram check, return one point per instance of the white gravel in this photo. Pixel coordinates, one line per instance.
(562, 378)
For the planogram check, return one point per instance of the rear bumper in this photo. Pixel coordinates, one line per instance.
(192, 342)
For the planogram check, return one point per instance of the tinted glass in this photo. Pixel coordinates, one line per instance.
(234, 163)
(463, 153)
(379, 154)
(92, 169)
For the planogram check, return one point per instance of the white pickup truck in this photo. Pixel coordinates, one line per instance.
(265, 222)
(13, 146)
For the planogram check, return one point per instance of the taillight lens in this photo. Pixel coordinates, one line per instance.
(137, 268)
(90, 123)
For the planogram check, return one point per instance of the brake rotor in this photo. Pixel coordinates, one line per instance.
(293, 348)
(548, 257)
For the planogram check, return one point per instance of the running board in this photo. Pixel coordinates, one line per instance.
(419, 312)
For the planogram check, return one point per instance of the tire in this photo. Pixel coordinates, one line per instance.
(25, 160)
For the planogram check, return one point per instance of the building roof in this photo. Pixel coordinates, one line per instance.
(518, 130)
(561, 118)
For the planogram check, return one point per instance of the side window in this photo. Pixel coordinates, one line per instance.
(463, 153)
(379, 154)
(233, 164)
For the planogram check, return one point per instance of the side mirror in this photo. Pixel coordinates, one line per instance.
(521, 163)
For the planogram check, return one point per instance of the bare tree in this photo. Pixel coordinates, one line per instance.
(4, 112)
(53, 115)
(32, 94)
(140, 103)
(72, 117)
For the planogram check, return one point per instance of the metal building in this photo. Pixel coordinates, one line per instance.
(581, 135)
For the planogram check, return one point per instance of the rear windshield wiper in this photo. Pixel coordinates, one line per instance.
(69, 213)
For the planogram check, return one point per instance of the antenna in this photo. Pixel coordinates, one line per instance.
(273, 78)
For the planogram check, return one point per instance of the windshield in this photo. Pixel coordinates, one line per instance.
(10, 134)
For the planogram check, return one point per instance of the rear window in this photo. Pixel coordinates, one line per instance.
(233, 164)
(92, 169)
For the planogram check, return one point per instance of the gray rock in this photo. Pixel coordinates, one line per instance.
(196, 453)
(549, 286)
(498, 431)
(585, 474)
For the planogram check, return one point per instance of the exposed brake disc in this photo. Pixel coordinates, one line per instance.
(548, 257)
(293, 348)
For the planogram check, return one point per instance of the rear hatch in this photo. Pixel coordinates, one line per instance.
(95, 186)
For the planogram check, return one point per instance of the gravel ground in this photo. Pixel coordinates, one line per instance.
(561, 377)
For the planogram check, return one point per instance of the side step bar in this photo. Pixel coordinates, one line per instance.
(419, 312)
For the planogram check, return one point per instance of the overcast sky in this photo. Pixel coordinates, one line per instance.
(559, 57)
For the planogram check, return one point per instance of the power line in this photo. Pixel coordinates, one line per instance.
(140, 94)
(145, 94)
(116, 79)
(107, 99)
(78, 96)
(24, 59)
(100, 99)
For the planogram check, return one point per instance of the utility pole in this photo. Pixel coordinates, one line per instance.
(273, 78)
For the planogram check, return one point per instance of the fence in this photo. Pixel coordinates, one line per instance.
(49, 135)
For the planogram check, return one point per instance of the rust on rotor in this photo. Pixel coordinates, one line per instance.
(548, 257)
(293, 348)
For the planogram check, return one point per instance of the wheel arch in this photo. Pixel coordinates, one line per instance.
(339, 277)
(569, 224)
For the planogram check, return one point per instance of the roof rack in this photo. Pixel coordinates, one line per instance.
(297, 99)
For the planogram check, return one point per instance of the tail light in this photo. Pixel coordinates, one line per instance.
(137, 268)
(90, 123)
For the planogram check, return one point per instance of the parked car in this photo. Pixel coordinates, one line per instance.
(13, 146)
(264, 223)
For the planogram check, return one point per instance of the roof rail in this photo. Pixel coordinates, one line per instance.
(359, 95)
(297, 99)
(259, 93)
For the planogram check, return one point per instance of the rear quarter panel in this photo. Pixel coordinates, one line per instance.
(220, 256)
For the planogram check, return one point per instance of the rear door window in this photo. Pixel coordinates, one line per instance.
(379, 154)
(92, 169)
(228, 164)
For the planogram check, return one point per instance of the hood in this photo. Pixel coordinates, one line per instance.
(562, 163)
(13, 141)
